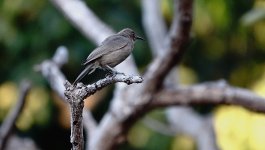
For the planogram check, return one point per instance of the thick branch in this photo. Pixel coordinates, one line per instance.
(51, 71)
(76, 95)
(212, 92)
(152, 18)
(178, 38)
(10, 120)
(130, 104)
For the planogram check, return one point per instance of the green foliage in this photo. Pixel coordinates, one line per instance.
(221, 44)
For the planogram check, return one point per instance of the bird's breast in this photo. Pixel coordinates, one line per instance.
(116, 57)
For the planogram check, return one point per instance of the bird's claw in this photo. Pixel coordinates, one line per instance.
(109, 74)
(113, 73)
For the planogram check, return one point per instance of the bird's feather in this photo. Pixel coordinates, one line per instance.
(88, 70)
(112, 43)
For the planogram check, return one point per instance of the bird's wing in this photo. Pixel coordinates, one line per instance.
(110, 44)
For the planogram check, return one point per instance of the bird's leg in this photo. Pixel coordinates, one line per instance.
(112, 71)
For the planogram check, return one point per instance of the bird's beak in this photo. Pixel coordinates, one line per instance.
(139, 38)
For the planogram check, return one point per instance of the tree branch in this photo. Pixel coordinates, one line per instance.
(51, 71)
(184, 120)
(122, 114)
(158, 126)
(76, 95)
(83, 91)
(130, 104)
(177, 40)
(211, 92)
(10, 120)
(153, 19)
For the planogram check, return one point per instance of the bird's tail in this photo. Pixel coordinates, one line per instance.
(89, 69)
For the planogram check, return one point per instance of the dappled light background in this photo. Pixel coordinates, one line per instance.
(227, 42)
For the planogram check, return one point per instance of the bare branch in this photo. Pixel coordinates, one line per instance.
(212, 92)
(61, 56)
(21, 143)
(122, 113)
(10, 120)
(83, 91)
(184, 120)
(51, 71)
(76, 95)
(152, 18)
(178, 38)
(158, 126)
(130, 104)
(154, 25)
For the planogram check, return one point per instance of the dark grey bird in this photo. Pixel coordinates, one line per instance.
(113, 50)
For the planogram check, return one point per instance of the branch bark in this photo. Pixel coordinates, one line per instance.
(51, 71)
(76, 96)
(152, 17)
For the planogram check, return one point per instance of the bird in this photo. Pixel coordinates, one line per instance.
(111, 52)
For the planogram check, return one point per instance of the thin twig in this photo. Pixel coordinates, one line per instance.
(10, 120)
(50, 69)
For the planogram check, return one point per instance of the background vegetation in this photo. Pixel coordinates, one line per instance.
(228, 41)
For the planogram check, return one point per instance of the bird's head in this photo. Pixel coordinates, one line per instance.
(127, 32)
